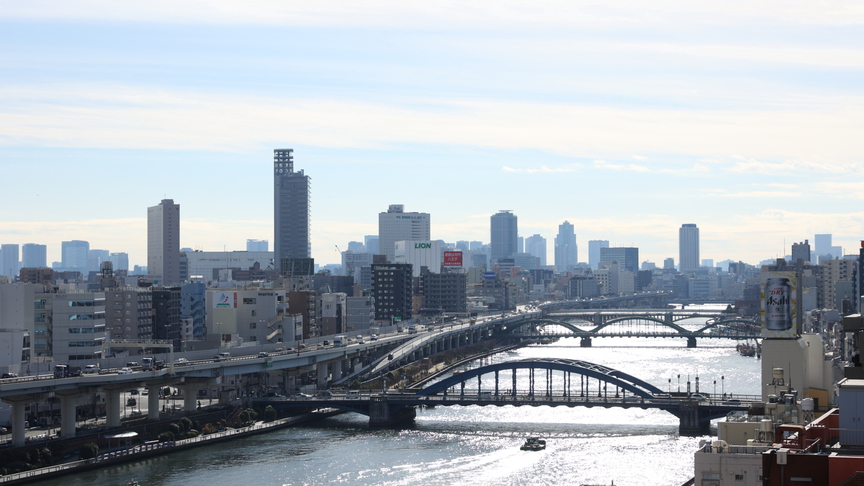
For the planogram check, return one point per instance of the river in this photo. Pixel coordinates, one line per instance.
(468, 445)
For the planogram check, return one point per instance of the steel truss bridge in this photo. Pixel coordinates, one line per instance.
(594, 386)
(633, 324)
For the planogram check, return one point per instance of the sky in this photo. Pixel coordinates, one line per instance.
(625, 118)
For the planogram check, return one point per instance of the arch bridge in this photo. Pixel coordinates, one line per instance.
(596, 386)
(638, 326)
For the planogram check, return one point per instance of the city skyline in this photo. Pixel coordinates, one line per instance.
(746, 112)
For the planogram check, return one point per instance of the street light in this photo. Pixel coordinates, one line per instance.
(722, 389)
(679, 382)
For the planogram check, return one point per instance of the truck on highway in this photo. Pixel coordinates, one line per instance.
(339, 341)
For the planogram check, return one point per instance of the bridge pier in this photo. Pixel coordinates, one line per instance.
(382, 413)
(585, 342)
(690, 424)
(691, 342)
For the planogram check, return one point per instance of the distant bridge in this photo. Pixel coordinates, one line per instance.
(638, 324)
(597, 386)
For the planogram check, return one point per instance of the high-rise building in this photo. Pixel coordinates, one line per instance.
(371, 242)
(536, 245)
(392, 289)
(688, 248)
(504, 235)
(163, 242)
(34, 255)
(120, 260)
(291, 197)
(95, 259)
(356, 247)
(669, 264)
(74, 255)
(801, 251)
(566, 253)
(9, 260)
(594, 247)
(257, 245)
(397, 225)
(627, 258)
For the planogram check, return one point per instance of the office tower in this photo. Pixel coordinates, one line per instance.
(166, 315)
(475, 245)
(504, 235)
(163, 242)
(801, 251)
(627, 258)
(520, 244)
(257, 245)
(822, 244)
(708, 262)
(74, 255)
(392, 289)
(397, 225)
(120, 260)
(669, 264)
(290, 209)
(34, 255)
(95, 259)
(463, 245)
(371, 242)
(356, 247)
(536, 245)
(594, 247)
(566, 253)
(9, 260)
(688, 248)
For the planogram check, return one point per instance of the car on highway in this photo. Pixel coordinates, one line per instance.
(698, 397)
(90, 369)
(124, 371)
(263, 354)
(732, 401)
(181, 361)
(373, 337)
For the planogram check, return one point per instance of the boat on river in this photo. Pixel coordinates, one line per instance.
(533, 444)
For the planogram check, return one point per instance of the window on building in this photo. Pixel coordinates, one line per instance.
(253, 325)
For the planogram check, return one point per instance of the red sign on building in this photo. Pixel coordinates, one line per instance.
(452, 258)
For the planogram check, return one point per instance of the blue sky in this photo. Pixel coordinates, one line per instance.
(625, 118)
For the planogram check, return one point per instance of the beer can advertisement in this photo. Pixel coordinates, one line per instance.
(452, 258)
(779, 304)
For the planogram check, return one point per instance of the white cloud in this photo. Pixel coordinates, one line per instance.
(129, 117)
(442, 14)
(568, 168)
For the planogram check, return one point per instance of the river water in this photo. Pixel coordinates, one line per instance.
(470, 445)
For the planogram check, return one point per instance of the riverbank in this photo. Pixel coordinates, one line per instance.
(145, 451)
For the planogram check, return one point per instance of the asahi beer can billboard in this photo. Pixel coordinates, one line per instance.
(779, 305)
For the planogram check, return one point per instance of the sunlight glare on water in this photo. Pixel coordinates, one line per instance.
(467, 445)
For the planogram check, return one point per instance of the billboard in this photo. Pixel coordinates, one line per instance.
(779, 304)
(225, 300)
(489, 275)
(452, 258)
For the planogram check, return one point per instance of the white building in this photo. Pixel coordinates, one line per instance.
(688, 248)
(420, 253)
(203, 263)
(397, 225)
(249, 315)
